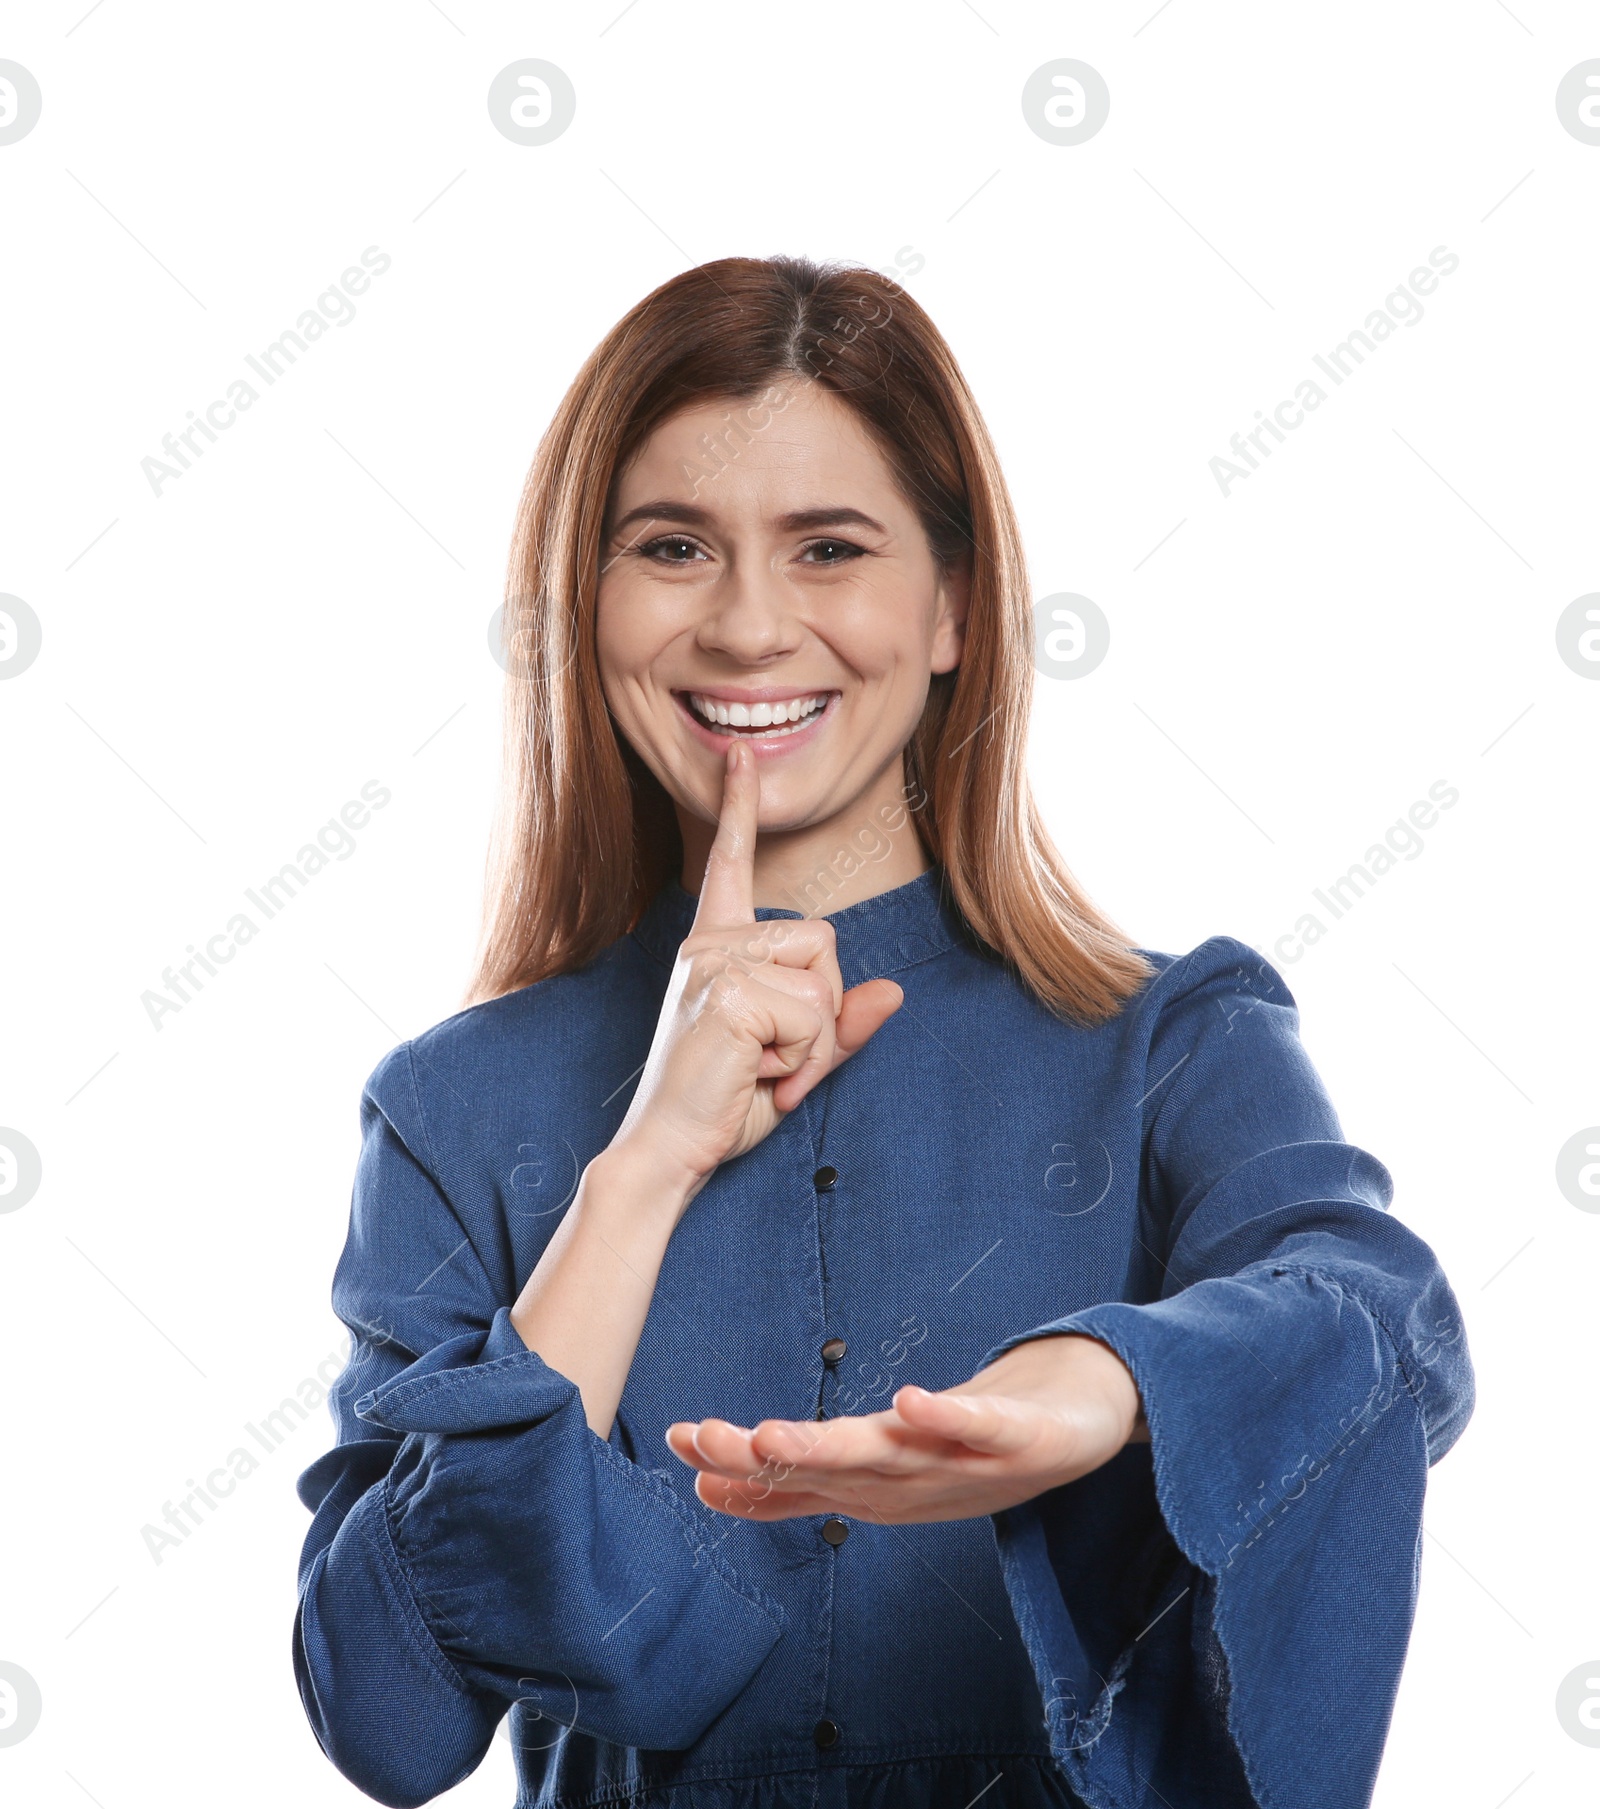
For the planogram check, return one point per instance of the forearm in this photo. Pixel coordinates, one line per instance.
(584, 1306)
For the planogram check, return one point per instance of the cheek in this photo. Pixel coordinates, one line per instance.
(623, 647)
(630, 635)
(888, 653)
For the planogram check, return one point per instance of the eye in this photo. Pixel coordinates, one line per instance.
(656, 549)
(839, 551)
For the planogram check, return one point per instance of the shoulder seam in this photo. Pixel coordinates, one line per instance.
(416, 1105)
(1185, 1081)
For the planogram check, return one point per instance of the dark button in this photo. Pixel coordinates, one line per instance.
(835, 1530)
(825, 1734)
(824, 1178)
(833, 1351)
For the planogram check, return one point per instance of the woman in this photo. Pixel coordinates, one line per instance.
(833, 1322)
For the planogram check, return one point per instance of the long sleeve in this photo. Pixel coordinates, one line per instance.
(473, 1543)
(1302, 1362)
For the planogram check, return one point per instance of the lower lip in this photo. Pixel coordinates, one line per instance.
(765, 747)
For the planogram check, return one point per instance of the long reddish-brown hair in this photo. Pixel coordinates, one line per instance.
(585, 833)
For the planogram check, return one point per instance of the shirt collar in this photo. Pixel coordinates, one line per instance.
(893, 929)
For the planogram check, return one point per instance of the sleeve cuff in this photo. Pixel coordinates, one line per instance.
(1288, 1465)
(474, 1383)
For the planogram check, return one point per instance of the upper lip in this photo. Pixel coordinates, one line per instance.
(756, 694)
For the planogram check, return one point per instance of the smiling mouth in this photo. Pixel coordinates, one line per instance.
(756, 722)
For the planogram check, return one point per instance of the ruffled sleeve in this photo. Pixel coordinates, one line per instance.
(1302, 1362)
(473, 1543)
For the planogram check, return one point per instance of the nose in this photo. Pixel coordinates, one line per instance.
(749, 617)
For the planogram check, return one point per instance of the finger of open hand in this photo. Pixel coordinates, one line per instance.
(790, 1443)
(871, 1443)
(990, 1423)
(717, 1445)
(753, 1501)
(682, 1439)
(716, 1448)
(727, 893)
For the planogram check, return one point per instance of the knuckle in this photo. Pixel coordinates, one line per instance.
(752, 945)
(819, 996)
(819, 936)
(706, 974)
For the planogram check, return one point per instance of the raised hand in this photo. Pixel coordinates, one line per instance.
(754, 1016)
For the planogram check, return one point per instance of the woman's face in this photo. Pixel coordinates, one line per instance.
(764, 578)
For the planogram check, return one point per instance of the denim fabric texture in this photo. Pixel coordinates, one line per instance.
(1216, 1618)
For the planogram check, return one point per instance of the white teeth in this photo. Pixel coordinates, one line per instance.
(772, 718)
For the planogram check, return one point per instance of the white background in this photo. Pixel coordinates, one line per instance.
(306, 609)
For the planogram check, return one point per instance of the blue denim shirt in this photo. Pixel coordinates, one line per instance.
(1216, 1618)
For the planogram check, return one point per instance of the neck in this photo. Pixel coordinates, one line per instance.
(869, 847)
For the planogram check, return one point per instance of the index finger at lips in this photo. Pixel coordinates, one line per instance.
(727, 893)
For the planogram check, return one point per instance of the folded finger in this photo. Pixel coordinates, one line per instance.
(803, 1051)
(809, 943)
(790, 1024)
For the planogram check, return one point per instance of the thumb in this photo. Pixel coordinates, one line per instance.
(994, 1424)
(863, 1011)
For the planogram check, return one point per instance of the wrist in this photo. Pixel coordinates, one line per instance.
(640, 1181)
(1082, 1363)
(1116, 1381)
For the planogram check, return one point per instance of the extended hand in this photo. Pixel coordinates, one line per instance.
(1043, 1414)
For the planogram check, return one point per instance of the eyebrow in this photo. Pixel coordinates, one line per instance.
(797, 521)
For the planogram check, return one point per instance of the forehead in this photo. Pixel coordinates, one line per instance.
(734, 454)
